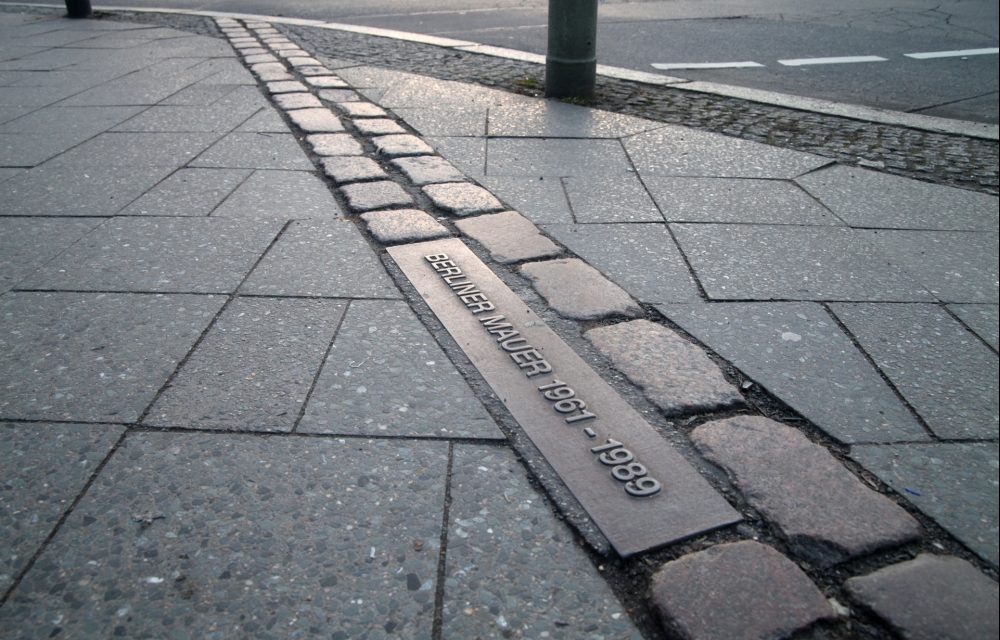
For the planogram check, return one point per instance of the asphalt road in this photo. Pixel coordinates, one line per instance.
(681, 33)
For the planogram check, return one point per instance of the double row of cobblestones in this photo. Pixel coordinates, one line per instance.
(822, 513)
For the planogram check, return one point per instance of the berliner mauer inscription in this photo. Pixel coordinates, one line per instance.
(638, 490)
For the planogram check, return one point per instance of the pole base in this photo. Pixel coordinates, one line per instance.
(570, 79)
(78, 8)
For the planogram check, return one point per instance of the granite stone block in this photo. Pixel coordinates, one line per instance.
(347, 169)
(467, 154)
(576, 290)
(93, 357)
(386, 376)
(378, 127)
(676, 375)
(395, 146)
(367, 196)
(403, 225)
(931, 598)
(555, 119)
(743, 590)
(359, 109)
(298, 101)
(334, 144)
(509, 237)
(326, 82)
(271, 72)
(422, 170)
(319, 120)
(825, 512)
(462, 198)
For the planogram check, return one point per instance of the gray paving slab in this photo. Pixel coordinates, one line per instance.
(130, 150)
(196, 255)
(761, 262)
(347, 169)
(286, 195)
(334, 144)
(825, 513)
(462, 198)
(610, 198)
(541, 200)
(641, 258)
(34, 96)
(368, 196)
(386, 376)
(509, 237)
(257, 56)
(203, 94)
(254, 368)
(101, 190)
(220, 117)
(332, 518)
(512, 568)
(41, 482)
(952, 482)
(446, 119)
(576, 290)
(403, 225)
(676, 375)
(326, 258)
(32, 149)
(399, 145)
(743, 590)
(83, 121)
(796, 351)
(187, 192)
(255, 151)
(955, 266)
(680, 151)
(736, 200)
(28, 243)
(941, 369)
(554, 157)
(931, 597)
(93, 357)
(864, 198)
(554, 119)
(982, 319)
(467, 154)
(423, 170)
(266, 120)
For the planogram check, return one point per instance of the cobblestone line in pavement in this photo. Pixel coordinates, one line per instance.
(807, 543)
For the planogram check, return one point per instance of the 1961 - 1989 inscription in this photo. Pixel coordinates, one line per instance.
(638, 490)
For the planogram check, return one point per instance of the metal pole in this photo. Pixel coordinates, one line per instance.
(78, 8)
(571, 60)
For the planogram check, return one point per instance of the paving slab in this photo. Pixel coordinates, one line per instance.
(386, 376)
(317, 120)
(347, 169)
(982, 319)
(680, 151)
(423, 170)
(796, 351)
(403, 225)
(32, 149)
(267, 120)
(736, 200)
(610, 198)
(462, 198)
(83, 121)
(541, 200)
(190, 255)
(468, 154)
(368, 196)
(864, 198)
(931, 597)
(131, 150)
(332, 518)
(576, 290)
(93, 357)
(254, 368)
(555, 157)
(512, 568)
(245, 150)
(642, 258)
(936, 364)
(554, 119)
(187, 192)
(738, 590)
(334, 144)
(322, 258)
(28, 243)
(952, 482)
(40, 483)
(396, 146)
(509, 237)
(286, 195)
(955, 266)
(676, 375)
(825, 512)
(446, 119)
(762, 262)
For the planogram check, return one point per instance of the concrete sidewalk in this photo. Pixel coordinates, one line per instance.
(227, 412)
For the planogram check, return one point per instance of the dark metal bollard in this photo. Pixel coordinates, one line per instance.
(78, 8)
(571, 59)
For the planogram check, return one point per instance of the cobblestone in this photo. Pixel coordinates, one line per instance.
(326, 82)
(345, 169)
(289, 101)
(673, 373)
(334, 144)
(361, 109)
(509, 237)
(316, 120)
(826, 513)
(462, 198)
(403, 225)
(396, 146)
(576, 290)
(738, 591)
(384, 194)
(378, 127)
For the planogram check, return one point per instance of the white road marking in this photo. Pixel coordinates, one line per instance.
(799, 62)
(705, 65)
(953, 54)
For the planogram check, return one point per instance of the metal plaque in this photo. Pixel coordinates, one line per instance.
(635, 486)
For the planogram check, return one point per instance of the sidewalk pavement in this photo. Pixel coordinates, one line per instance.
(226, 413)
